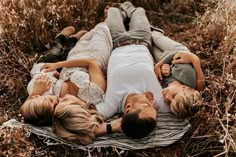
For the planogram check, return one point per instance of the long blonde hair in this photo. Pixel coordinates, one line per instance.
(37, 110)
(76, 123)
(186, 103)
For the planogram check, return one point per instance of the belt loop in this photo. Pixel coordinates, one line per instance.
(137, 42)
(118, 44)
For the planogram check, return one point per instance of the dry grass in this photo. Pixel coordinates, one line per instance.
(208, 28)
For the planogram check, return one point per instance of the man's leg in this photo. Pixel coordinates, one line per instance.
(115, 23)
(128, 8)
(139, 26)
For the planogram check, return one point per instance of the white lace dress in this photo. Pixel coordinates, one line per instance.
(95, 44)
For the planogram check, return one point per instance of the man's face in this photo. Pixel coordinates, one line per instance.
(143, 102)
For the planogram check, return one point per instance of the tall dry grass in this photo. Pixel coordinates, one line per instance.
(216, 36)
(206, 27)
(28, 27)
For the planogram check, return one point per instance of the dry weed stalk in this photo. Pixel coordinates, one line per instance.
(27, 26)
(227, 136)
(216, 36)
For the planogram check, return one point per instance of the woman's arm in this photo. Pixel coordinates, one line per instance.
(157, 70)
(183, 57)
(162, 68)
(166, 60)
(95, 72)
(40, 86)
(83, 62)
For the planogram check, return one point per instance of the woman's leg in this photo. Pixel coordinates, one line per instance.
(71, 42)
(165, 43)
(56, 52)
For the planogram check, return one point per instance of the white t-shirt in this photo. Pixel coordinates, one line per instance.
(130, 70)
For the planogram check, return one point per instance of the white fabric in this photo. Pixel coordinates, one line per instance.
(35, 73)
(130, 70)
(95, 44)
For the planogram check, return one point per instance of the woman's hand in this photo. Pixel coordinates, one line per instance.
(157, 70)
(41, 85)
(47, 67)
(185, 57)
(165, 69)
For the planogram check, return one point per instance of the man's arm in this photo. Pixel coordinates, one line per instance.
(115, 127)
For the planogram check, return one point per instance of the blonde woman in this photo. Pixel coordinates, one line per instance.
(83, 76)
(180, 74)
(76, 121)
(39, 106)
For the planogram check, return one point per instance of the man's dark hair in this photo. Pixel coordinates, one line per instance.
(136, 127)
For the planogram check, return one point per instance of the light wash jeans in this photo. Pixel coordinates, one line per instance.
(163, 46)
(139, 28)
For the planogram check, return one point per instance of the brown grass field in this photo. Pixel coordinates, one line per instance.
(207, 27)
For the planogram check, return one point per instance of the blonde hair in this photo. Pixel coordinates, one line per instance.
(37, 110)
(76, 123)
(186, 103)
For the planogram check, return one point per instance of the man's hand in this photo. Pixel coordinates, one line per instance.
(185, 57)
(165, 69)
(41, 85)
(47, 67)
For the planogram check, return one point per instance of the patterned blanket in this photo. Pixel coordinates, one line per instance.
(168, 130)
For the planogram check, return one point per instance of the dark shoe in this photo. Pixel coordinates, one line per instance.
(55, 53)
(156, 29)
(52, 55)
(128, 8)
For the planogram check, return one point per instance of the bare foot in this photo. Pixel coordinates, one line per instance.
(67, 31)
(79, 34)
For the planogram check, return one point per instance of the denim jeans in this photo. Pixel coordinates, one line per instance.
(139, 28)
(163, 46)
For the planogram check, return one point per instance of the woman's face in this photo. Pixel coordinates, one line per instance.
(53, 101)
(50, 99)
(171, 91)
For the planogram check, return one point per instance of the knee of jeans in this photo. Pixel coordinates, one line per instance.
(181, 47)
(139, 10)
(112, 10)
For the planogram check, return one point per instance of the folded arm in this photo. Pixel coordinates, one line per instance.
(40, 86)
(95, 72)
(183, 57)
